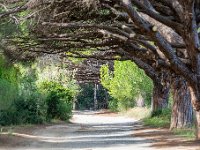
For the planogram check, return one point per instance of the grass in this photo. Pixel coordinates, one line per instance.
(159, 119)
(137, 113)
(156, 122)
(186, 133)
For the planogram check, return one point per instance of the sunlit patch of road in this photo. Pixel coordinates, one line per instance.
(87, 131)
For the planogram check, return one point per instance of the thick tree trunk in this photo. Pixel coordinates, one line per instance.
(197, 125)
(182, 111)
(160, 96)
(161, 91)
(194, 98)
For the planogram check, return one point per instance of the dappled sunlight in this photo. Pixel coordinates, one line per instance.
(85, 119)
(30, 136)
(163, 138)
(119, 133)
(138, 58)
(87, 132)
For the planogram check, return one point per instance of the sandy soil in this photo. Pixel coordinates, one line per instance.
(93, 131)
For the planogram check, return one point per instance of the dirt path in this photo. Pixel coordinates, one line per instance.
(90, 131)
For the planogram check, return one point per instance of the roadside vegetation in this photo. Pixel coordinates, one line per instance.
(131, 93)
(31, 95)
(127, 85)
(163, 120)
(159, 119)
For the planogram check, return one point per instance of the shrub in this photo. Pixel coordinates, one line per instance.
(8, 117)
(59, 101)
(8, 92)
(31, 110)
(113, 105)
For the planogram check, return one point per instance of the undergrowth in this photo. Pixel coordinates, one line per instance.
(159, 118)
(186, 133)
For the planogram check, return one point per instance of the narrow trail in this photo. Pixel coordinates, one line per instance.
(89, 131)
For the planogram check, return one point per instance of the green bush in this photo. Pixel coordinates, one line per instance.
(113, 105)
(35, 109)
(59, 101)
(8, 92)
(8, 117)
(31, 110)
(21, 99)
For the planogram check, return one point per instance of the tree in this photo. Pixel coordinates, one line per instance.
(109, 44)
(182, 112)
(126, 83)
(129, 28)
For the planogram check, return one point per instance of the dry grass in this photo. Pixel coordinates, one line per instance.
(137, 113)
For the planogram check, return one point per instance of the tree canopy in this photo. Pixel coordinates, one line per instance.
(160, 36)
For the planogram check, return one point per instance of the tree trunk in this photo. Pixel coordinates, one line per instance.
(197, 125)
(160, 96)
(182, 111)
(140, 101)
(194, 98)
(95, 96)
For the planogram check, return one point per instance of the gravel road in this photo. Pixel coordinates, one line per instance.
(88, 131)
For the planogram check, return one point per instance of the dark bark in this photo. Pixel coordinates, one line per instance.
(160, 96)
(182, 111)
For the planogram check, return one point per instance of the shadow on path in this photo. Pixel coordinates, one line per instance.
(163, 138)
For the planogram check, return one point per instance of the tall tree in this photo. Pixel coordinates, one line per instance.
(117, 27)
(182, 111)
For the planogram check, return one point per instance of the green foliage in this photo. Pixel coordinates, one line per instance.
(126, 83)
(24, 110)
(20, 101)
(113, 105)
(23, 100)
(8, 84)
(8, 92)
(85, 99)
(27, 80)
(8, 117)
(53, 73)
(59, 101)
(160, 118)
(7, 29)
(31, 110)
